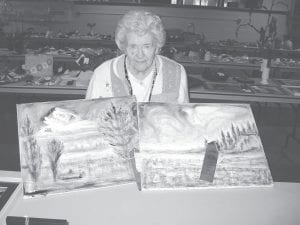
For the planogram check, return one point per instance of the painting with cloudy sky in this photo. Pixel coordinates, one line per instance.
(174, 139)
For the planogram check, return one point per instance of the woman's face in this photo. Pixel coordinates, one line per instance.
(140, 51)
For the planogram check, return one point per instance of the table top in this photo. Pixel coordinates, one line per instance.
(20, 88)
(196, 95)
(228, 91)
(231, 90)
(126, 205)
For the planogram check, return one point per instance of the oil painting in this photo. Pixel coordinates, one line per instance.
(76, 144)
(199, 145)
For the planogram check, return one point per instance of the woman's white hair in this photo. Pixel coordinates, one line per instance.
(140, 22)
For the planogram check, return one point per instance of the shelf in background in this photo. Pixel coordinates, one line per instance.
(87, 40)
(220, 65)
(194, 7)
(229, 91)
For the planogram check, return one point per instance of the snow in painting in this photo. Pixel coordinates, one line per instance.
(76, 144)
(173, 140)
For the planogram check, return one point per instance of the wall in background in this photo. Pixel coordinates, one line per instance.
(64, 16)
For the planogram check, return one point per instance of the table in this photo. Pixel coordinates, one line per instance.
(198, 92)
(126, 205)
(20, 88)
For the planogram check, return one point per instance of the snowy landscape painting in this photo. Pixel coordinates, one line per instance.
(174, 139)
(76, 144)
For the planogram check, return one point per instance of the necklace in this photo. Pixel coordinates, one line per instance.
(129, 83)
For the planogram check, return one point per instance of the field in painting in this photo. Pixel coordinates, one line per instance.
(173, 142)
(76, 144)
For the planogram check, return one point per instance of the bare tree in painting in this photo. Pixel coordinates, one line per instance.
(32, 150)
(119, 128)
(55, 149)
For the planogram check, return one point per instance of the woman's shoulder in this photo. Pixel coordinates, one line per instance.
(106, 65)
(165, 59)
(169, 62)
(103, 66)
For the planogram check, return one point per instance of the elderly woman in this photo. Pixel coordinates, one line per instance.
(140, 71)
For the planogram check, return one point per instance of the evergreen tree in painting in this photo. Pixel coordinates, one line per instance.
(55, 149)
(32, 152)
(224, 142)
(218, 145)
(205, 142)
(119, 128)
(243, 130)
(254, 129)
(234, 134)
(249, 128)
(238, 131)
(229, 139)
